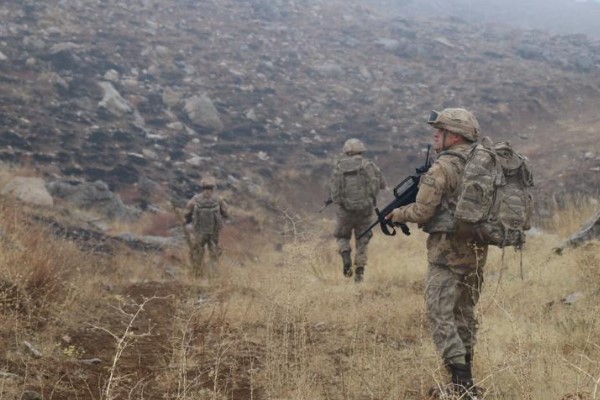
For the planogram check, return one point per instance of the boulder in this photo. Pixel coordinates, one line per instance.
(94, 196)
(29, 190)
(112, 101)
(202, 112)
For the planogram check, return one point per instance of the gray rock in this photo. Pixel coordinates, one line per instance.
(29, 190)
(171, 97)
(8, 375)
(112, 75)
(149, 242)
(202, 112)
(91, 361)
(112, 101)
(62, 47)
(31, 395)
(32, 350)
(530, 51)
(572, 298)
(92, 196)
(3, 57)
(387, 44)
(329, 69)
(196, 161)
(176, 126)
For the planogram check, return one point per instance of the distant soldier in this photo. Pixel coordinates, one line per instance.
(456, 260)
(354, 185)
(205, 211)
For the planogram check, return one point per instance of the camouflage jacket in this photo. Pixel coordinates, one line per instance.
(438, 192)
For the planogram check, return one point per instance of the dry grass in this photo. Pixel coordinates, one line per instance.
(280, 321)
(571, 214)
(8, 171)
(325, 337)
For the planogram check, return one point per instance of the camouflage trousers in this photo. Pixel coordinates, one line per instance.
(357, 221)
(451, 298)
(202, 242)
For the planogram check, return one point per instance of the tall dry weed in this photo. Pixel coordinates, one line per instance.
(38, 265)
(571, 213)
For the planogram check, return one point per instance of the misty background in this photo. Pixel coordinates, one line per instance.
(555, 16)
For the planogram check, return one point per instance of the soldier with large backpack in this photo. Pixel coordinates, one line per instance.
(353, 186)
(474, 195)
(205, 212)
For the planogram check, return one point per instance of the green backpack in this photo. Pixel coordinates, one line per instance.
(495, 201)
(206, 217)
(354, 184)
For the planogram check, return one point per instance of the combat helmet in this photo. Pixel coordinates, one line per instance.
(456, 120)
(354, 146)
(208, 182)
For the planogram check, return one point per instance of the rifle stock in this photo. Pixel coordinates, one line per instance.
(405, 193)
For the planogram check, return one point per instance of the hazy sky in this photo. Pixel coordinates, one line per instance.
(554, 16)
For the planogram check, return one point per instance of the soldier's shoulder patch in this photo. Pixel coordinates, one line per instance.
(428, 180)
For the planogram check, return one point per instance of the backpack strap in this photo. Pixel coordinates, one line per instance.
(453, 153)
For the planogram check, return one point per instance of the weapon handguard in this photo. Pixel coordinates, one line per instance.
(405, 193)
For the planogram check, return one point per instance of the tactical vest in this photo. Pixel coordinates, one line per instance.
(354, 185)
(206, 217)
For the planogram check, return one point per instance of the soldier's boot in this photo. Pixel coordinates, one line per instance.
(347, 261)
(359, 274)
(461, 385)
(477, 392)
(462, 382)
(462, 378)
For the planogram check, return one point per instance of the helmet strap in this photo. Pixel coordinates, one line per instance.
(444, 139)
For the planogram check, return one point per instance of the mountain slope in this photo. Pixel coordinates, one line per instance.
(247, 90)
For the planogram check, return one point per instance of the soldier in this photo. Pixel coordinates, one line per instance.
(354, 185)
(205, 211)
(455, 277)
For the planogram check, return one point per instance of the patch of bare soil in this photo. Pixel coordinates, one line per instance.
(134, 346)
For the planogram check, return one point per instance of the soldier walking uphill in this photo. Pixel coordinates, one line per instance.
(205, 211)
(354, 185)
(455, 277)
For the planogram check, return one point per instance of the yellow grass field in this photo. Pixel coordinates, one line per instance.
(281, 322)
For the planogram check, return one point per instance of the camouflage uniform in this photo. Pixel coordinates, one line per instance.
(206, 210)
(455, 273)
(357, 220)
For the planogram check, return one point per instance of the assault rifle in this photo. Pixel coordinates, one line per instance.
(405, 193)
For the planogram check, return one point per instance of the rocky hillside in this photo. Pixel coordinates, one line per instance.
(262, 93)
